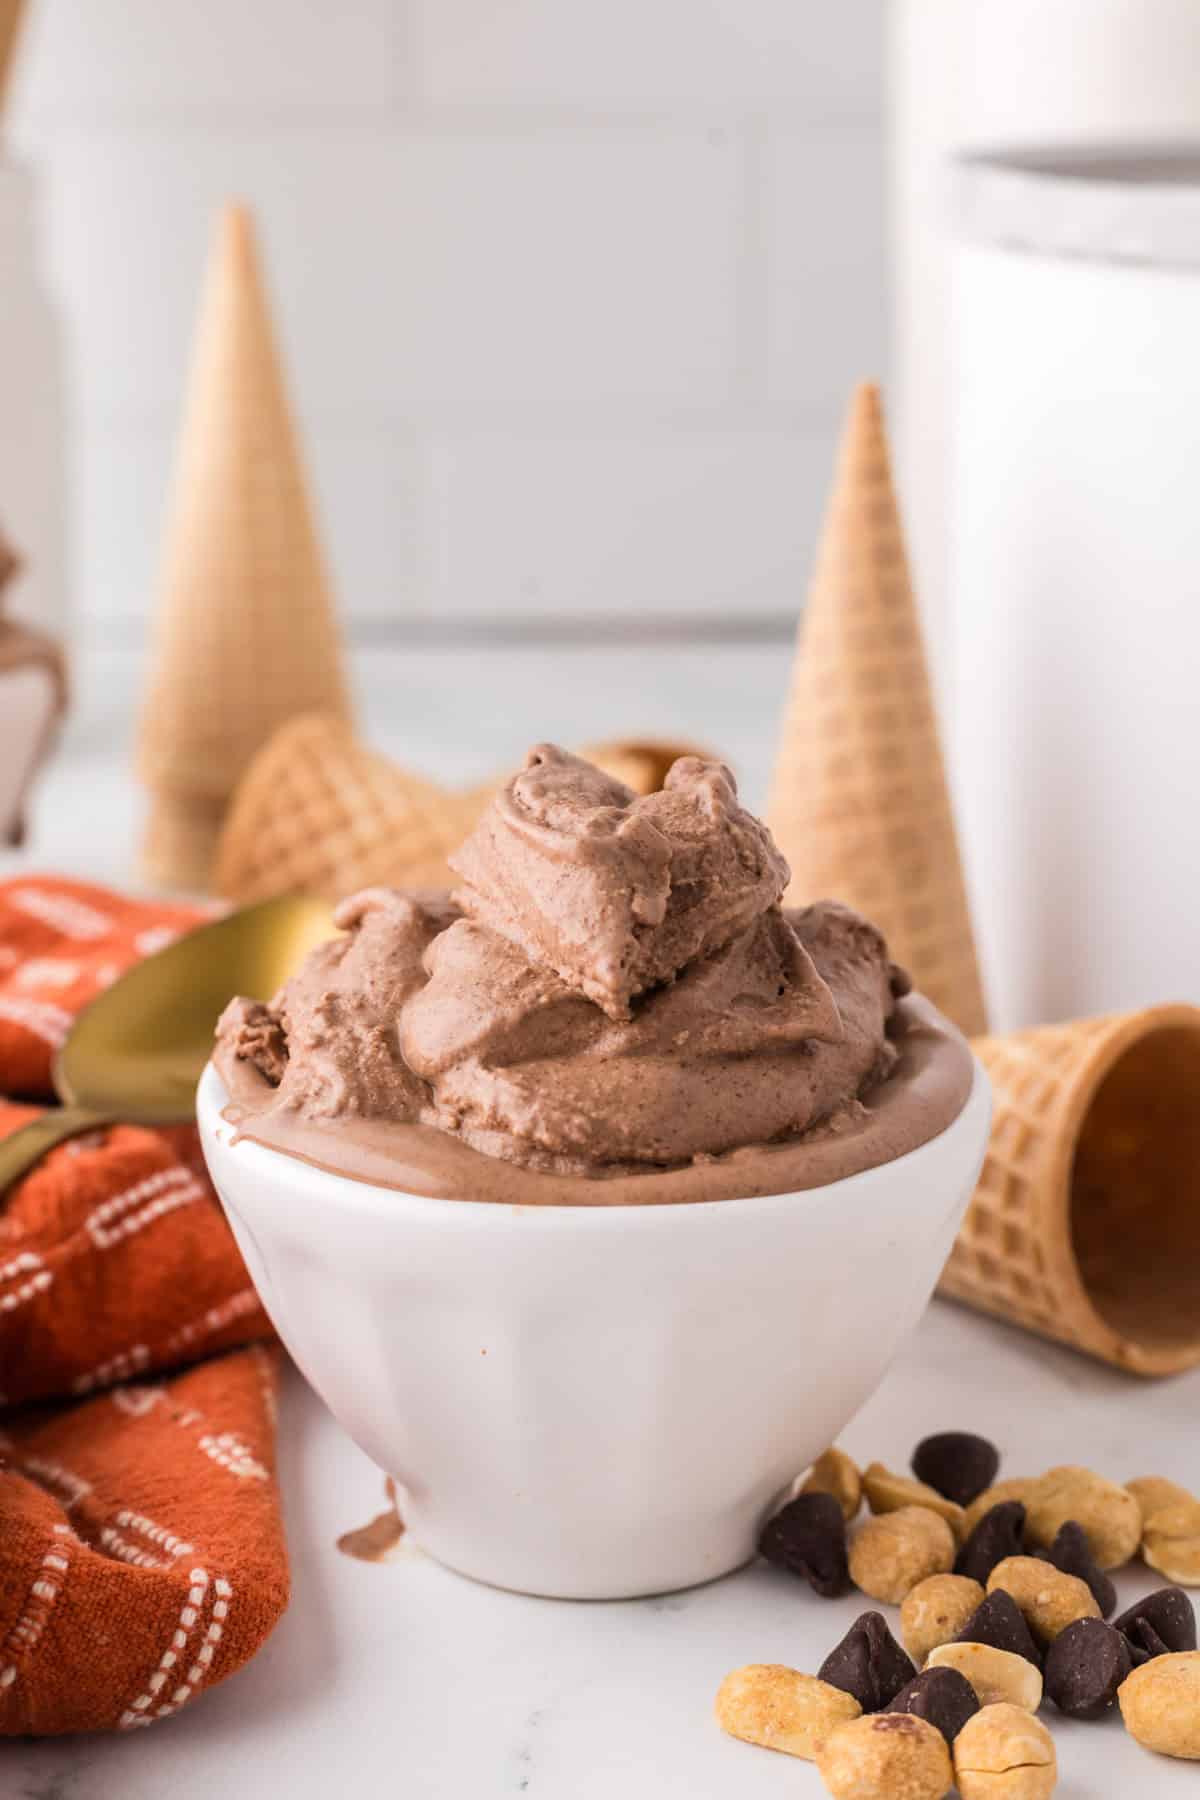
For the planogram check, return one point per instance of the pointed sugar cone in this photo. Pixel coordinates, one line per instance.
(859, 804)
(246, 636)
(1085, 1226)
(318, 813)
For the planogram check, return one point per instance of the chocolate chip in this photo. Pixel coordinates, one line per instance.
(1085, 1665)
(1072, 1553)
(868, 1663)
(808, 1538)
(1000, 1533)
(1158, 1624)
(957, 1463)
(942, 1696)
(999, 1621)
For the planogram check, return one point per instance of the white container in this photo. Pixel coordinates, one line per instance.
(1075, 576)
(969, 74)
(593, 1402)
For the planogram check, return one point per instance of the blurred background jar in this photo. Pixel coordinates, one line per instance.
(1049, 385)
(1074, 574)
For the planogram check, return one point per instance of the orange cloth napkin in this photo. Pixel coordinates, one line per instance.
(142, 1555)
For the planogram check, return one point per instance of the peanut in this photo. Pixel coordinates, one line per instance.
(1109, 1514)
(837, 1474)
(768, 1704)
(998, 1676)
(1049, 1599)
(887, 1756)
(893, 1551)
(1170, 1528)
(1004, 1753)
(1160, 1704)
(1014, 1489)
(887, 1492)
(935, 1611)
(1154, 1492)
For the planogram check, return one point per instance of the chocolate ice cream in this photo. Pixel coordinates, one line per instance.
(613, 1007)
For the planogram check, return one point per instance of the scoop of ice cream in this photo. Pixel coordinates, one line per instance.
(612, 893)
(615, 989)
(745, 1046)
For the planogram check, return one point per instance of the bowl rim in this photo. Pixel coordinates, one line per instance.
(372, 1199)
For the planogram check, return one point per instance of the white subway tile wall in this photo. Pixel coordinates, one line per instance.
(571, 291)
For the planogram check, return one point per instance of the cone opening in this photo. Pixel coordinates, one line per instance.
(1135, 1195)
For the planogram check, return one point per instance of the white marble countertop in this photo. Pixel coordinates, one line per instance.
(405, 1679)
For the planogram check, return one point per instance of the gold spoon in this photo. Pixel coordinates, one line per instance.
(136, 1052)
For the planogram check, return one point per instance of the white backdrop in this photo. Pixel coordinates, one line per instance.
(572, 291)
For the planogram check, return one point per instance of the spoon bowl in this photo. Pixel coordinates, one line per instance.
(136, 1053)
(138, 1050)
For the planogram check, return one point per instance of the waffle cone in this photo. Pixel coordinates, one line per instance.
(641, 763)
(319, 813)
(1085, 1226)
(179, 843)
(246, 636)
(859, 804)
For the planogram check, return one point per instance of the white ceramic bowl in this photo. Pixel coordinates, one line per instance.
(593, 1402)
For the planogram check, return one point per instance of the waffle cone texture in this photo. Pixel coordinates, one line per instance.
(246, 636)
(320, 813)
(860, 805)
(1085, 1225)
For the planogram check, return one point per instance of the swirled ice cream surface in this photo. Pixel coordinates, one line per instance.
(612, 1006)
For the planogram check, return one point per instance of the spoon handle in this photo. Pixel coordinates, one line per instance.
(27, 1146)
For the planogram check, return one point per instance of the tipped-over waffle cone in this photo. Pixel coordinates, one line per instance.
(319, 813)
(1085, 1226)
(859, 803)
(246, 636)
